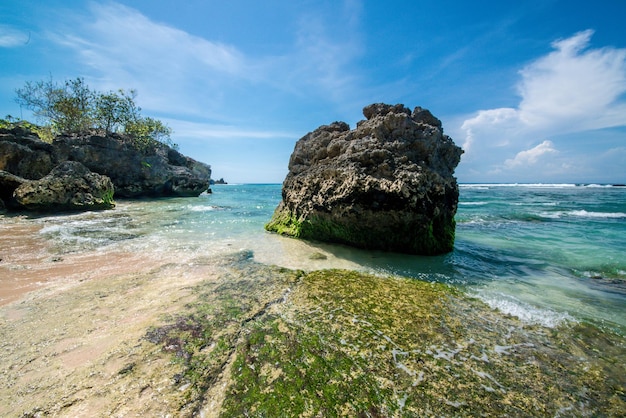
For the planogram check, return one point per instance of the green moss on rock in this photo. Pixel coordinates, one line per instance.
(435, 237)
(276, 342)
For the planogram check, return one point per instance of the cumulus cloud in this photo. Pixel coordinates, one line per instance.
(531, 156)
(574, 88)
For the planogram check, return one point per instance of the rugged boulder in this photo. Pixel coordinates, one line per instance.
(69, 186)
(388, 184)
(8, 183)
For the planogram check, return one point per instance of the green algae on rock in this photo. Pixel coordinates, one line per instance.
(344, 343)
(388, 184)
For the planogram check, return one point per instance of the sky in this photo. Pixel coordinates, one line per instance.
(533, 91)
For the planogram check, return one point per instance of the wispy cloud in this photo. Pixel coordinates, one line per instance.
(11, 37)
(193, 78)
(572, 89)
(201, 131)
(123, 48)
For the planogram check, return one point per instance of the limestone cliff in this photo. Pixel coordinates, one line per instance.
(387, 184)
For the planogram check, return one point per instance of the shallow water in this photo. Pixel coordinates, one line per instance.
(543, 253)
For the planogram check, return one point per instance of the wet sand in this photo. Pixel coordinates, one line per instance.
(71, 324)
(27, 264)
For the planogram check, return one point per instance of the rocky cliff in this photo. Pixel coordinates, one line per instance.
(387, 184)
(155, 170)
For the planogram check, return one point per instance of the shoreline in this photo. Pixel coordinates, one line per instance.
(225, 335)
(67, 341)
(28, 265)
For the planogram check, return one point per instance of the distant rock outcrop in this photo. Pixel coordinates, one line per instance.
(388, 184)
(154, 170)
(69, 186)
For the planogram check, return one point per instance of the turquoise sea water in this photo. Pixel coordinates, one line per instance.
(544, 253)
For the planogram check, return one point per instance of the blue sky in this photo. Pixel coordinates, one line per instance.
(534, 91)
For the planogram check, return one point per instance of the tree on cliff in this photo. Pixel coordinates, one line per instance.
(65, 107)
(72, 107)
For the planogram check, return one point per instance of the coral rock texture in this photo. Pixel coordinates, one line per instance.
(387, 185)
(69, 186)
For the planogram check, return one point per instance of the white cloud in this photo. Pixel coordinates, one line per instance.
(10, 37)
(531, 156)
(192, 78)
(574, 88)
(123, 48)
(494, 120)
(201, 131)
(574, 85)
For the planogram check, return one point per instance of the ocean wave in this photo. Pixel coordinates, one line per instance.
(486, 186)
(87, 231)
(582, 214)
(534, 185)
(526, 313)
(585, 214)
(473, 203)
(593, 185)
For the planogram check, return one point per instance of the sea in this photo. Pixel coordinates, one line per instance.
(545, 253)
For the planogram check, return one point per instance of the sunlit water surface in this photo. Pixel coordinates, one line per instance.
(544, 253)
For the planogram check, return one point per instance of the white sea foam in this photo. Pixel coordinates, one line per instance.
(585, 214)
(582, 214)
(527, 313)
(593, 185)
(201, 208)
(473, 203)
(534, 185)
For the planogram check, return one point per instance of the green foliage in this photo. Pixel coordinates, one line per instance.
(73, 108)
(115, 110)
(66, 107)
(146, 132)
(44, 132)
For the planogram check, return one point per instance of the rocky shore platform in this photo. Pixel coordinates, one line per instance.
(113, 334)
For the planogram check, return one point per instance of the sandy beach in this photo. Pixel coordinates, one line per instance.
(71, 324)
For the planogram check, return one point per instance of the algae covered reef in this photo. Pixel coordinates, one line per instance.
(240, 338)
(344, 343)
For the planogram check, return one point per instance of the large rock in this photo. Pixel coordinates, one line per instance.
(23, 154)
(388, 184)
(154, 171)
(8, 183)
(69, 186)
